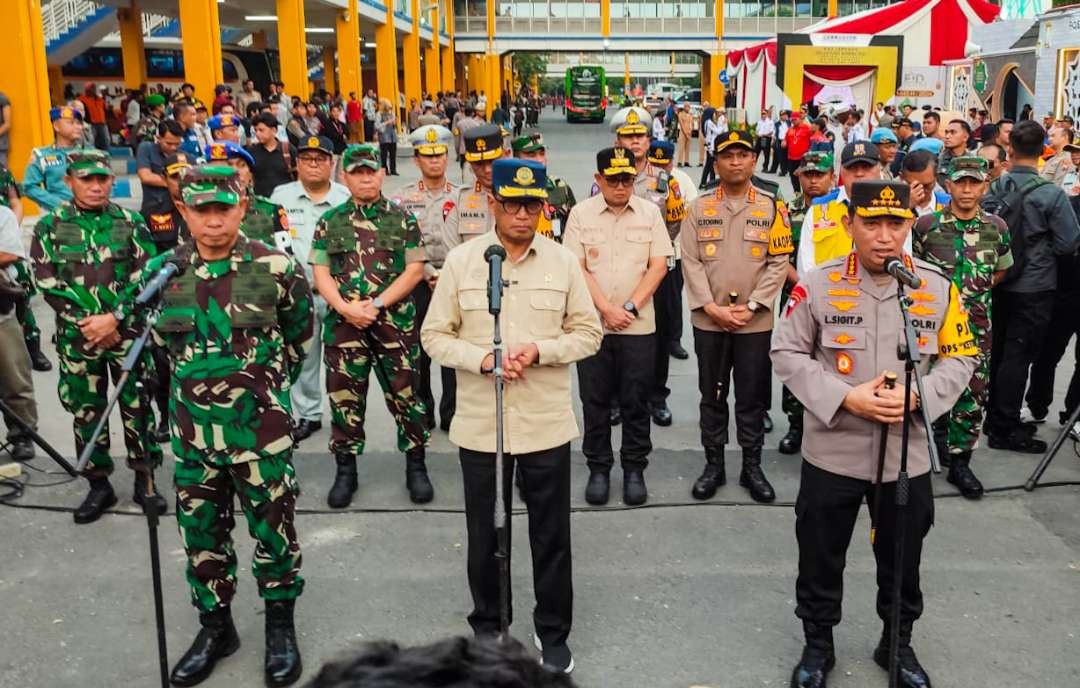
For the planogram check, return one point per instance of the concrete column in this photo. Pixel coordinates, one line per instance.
(432, 58)
(292, 47)
(131, 45)
(605, 18)
(410, 56)
(347, 30)
(386, 58)
(201, 41)
(834, 8)
(56, 83)
(329, 58)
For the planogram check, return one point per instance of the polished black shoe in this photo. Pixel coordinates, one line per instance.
(345, 482)
(216, 639)
(616, 416)
(98, 499)
(818, 658)
(634, 492)
(960, 475)
(677, 351)
(661, 414)
(38, 360)
(417, 481)
(766, 423)
(154, 501)
(911, 673)
(305, 428)
(598, 488)
(712, 477)
(557, 658)
(22, 449)
(791, 443)
(283, 665)
(1019, 441)
(161, 432)
(753, 478)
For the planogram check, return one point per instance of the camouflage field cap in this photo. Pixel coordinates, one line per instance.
(968, 166)
(88, 162)
(816, 161)
(360, 155)
(529, 143)
(205, 184)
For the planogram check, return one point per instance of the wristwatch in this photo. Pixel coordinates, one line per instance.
(378, 303)
(752, 306)
(630, 308)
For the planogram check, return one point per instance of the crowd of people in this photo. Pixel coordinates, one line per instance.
(293, 255)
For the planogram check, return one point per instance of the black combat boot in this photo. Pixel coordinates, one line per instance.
(216, 639)
(345, 482)
(283, 665)
(634, 492)
(599, 487)
(753, 478)
(138, 495)
(791, 443)
(912, 675)
(161, 432)
(98, 499)
(22, 449)
(960, 475)
(38, 360)
(818, 657)
(712, 477)
(416, 478)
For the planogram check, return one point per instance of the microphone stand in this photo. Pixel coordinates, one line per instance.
(13, 419)
(908, 350)
(131, 363)
(502, 527)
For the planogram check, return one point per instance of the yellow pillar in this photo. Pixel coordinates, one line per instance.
(834, 9)
(25, 82)
(386, 58)
(329, 63)
(491, 62)
(258, 40)
(56, 83)
(348, 49)
(507, 83)
(605, 18)
(626, 72)
(201, 41)
(718, 60)
(494, 80)
(449, 69)
(432, 58)
(131, 45)
(410, 55)
(292, 47)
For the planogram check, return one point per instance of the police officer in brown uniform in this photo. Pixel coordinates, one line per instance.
(623, 247)
(735, 242)
(471, 216)
(836, 339)
(431, 200)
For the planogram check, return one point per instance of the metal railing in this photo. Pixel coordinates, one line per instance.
(60, 16)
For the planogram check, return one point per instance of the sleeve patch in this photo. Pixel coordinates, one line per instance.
(955, 337)
(797, 296)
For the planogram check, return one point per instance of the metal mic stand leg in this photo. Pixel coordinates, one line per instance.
(14, 419)
(502, 533)
(129, 365)
(1052, 451)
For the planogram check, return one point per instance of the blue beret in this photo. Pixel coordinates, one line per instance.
(227, 150)
(927, 144)
(65, 112)
(221, 121)
(881, 134)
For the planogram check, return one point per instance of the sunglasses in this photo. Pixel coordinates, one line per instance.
(623, 180)
(532, 206)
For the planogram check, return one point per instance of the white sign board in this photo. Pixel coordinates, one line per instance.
(922, 86)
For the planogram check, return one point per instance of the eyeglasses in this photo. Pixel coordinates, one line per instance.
(623, 180)
(532, 206)
(313, 159)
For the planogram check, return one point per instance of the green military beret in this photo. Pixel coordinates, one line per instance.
(205, 184)
(530, 143)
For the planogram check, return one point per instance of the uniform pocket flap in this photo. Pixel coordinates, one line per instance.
(472, 299)
(547, 299)
(639, 236)
(838, 337)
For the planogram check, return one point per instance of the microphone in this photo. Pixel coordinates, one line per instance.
(895, 267)
(153, 287)
(495, 255)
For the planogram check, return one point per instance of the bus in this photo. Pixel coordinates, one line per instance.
(586, 94)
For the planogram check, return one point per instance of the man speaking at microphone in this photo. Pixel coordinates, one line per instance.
(548, 321)
(85, 256)
(237, 321)
(836, 339)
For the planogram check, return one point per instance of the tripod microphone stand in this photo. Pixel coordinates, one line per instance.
(13, 418)
(130, 365)
(1052, 451)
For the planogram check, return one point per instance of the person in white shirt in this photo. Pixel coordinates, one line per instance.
(721, 123)
(765, 131)
(710, 130)
(658, 127)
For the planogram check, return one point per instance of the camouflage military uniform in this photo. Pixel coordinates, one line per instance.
(264, 220)
(146, 129)
(560, 202)
(87, 263)
(969, 252)
(366, 248)
(25, 314)
(237, 331)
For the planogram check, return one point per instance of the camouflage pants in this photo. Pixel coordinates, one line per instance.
(267, 489)
(83, 389)
(347, 370)
(25, 314)
(965, 419)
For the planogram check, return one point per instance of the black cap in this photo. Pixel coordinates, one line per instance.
(319, 143)
(735, 137)
(612, 162)
(875, 198)
(483, 142)
(178, 162)
(859, 151)
(904, 122)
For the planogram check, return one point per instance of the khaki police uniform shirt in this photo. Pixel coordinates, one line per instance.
(840, 328)
(431, 207)
(470, 217)
(645, 187)
(735, 244)
(547, 303)
(616, 246)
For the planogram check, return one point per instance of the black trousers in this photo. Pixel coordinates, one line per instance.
(779, 161)
(722, 356)
(622, 370)
(545, 487)
(1064, 323)
(422, 298)
(763, 147)
(707, 171)
(825, 513)
(668, 307)
(1021, 321)
(388, 156)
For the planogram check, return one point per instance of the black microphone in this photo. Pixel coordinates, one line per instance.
(150, 291)
(495, 255)
(895, 267)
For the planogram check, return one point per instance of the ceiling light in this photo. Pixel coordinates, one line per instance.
(261, 17)
(318, 29)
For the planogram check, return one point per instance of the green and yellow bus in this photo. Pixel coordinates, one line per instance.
(586, 94)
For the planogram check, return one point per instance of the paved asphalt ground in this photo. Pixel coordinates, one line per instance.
(673, 594)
